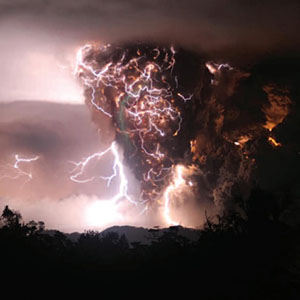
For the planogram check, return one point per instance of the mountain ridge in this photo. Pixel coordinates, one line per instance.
(137, 234)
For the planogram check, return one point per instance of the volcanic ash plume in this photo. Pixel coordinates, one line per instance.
(278, 106)
(184, 123)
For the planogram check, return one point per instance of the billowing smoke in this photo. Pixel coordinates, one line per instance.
(191, 129)
(235, 123)
(149, 101)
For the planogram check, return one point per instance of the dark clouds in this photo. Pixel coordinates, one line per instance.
(30, 138)
(39, 39)
(56, 133)
(230, 27)
(234, 169)
(44, 128)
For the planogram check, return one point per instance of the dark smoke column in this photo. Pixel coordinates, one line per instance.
(147, 91)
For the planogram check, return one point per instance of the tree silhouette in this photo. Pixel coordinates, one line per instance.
(11, 218)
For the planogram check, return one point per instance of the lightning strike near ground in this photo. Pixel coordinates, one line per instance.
(118, 170)
(136, 88)
(174, 186)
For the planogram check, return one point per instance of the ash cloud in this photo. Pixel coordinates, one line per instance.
(233, 146)
(231, 26)
(223, 130)
(39, 39)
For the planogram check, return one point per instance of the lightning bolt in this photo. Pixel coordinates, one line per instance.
(144, 105)
(176, 184)
(118, 169)
(16, 170)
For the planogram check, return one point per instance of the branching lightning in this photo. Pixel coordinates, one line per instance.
(139, 90)
(15, 171)
(140, 94)
(118, 169)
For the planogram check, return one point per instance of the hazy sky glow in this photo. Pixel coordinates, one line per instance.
(33, 69)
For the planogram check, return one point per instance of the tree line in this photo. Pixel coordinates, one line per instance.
(248, 254)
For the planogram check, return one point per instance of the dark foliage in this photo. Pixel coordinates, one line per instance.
(250, 255)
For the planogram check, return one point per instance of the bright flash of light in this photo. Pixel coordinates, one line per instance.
(176, 186)
(15, 171)
(102, 213)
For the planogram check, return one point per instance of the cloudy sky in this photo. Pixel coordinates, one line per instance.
(42, 111)
(39, 39)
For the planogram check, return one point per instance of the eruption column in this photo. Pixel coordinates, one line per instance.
(136, 88)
